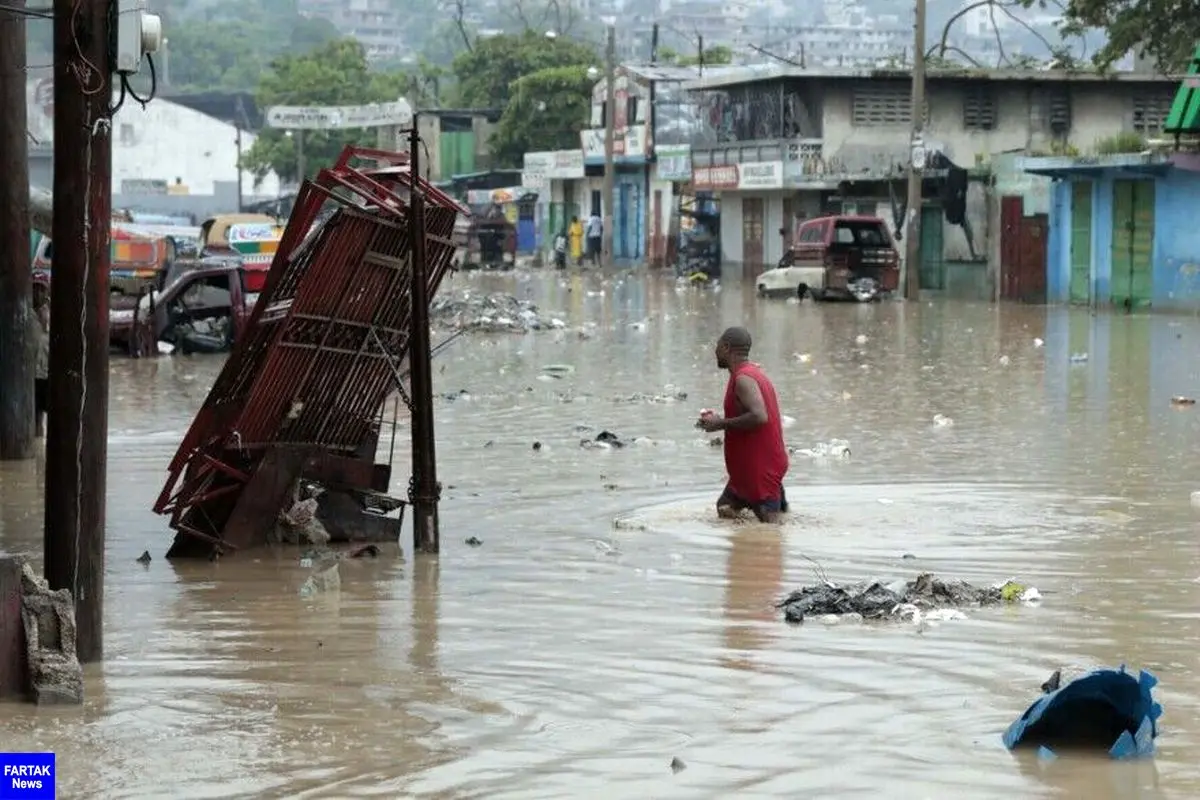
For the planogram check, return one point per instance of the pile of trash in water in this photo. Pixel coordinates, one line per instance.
(491, 313)
(834, 448)
(926, 598)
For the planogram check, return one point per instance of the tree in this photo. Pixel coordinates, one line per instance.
(547, 110)
(1058, 54)
(230, 44)
(486, 72)
(333, 75)
(1161, 29)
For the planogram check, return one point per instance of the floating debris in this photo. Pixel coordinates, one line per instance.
(942, 421)
(605, 440)
(834, 448)
(669, 396)
(1183, 402)
(677, 765)
(914, 601)
(1079, 358)
(144, 558)
(491, 313)
(474, 541)
(1107, 709)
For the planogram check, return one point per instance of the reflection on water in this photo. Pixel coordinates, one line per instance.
(566, 658)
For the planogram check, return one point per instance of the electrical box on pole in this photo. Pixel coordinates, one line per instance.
(138, 34)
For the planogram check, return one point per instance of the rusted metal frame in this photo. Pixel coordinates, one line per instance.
(215, 493)
(342, 350)
(343, 295)
(391, 362)
(220, 544)
(221, 466)
(357, 270)
(190, 484)
(374, 192)
(354, 151)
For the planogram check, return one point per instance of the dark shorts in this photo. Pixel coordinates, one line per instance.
(761, 509)
(41, 393)
(593, 246)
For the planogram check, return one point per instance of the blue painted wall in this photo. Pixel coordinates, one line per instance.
(1058, 244)
(1177, 241)
(1176, 246)
(629, 216)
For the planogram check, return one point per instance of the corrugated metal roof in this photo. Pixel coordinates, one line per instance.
(324, 346)
(764, 72)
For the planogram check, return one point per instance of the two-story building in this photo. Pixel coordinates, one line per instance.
(783, 144)
(647, 114)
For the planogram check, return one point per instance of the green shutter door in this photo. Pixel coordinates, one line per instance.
(1133, 243)
(933, 263)
(1081, 242)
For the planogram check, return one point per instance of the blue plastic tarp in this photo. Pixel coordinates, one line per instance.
(1107, 708)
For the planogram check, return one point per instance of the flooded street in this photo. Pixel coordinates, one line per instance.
(571, 657)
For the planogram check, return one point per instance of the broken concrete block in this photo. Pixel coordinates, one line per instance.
(55, 675)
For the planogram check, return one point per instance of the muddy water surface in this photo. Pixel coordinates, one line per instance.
(568, 657)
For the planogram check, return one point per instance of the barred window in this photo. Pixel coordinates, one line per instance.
(979, 108)
(1059, 113)
(1150, 111)
(880, 105)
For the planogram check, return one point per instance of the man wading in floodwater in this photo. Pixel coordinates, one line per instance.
(755, 456)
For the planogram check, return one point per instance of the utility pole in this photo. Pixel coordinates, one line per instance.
(16, 277)
(916, 161)
(77, 418)
(610, 129)
(301, 165)
(424, 489)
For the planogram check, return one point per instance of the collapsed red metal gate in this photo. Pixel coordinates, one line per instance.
(303, 391)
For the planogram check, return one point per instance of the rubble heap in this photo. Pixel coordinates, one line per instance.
(49, 619)
(874, 600)
(490, 313)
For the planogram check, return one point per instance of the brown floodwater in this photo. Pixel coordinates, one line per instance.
(609, 623)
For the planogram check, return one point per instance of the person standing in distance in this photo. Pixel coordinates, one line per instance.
(595, 236)
(755, 456)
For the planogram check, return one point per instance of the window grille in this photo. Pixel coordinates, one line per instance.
(1150, 111)
(979, 108)
(881, 105)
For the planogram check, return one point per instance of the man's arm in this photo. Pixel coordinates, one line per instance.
(754, 410)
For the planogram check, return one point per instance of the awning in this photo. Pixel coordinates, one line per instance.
(1133, 165)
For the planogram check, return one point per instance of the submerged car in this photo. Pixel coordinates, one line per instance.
(839, 257)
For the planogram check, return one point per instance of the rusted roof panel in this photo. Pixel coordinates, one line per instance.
(325, 344)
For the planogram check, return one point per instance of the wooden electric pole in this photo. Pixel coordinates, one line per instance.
(16, 287)
(610, 129)
(77, 418)
(916, 161)
(425, 489)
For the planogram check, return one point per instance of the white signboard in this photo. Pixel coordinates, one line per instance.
(324, 118)
(630, 142)
(760, 175)
(568, 165)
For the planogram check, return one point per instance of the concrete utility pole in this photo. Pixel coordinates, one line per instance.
(610, 128)
(16, 277)
(77, 418)
(912, 233)
(425, 490)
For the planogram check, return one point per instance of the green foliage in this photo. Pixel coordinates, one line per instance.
(714, 56)
(1162, 29)
(1121, 143)
(229, 45)
(333, 75)
(546, 111)
(486, 73)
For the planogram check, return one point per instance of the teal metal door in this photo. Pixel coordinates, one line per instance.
(933, 243)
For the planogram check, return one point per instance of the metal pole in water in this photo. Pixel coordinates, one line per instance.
(425, 490)
(916, 153)
(77, 418)
(609, 213)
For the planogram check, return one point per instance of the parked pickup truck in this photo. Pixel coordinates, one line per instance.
(202, 308)
(843, 257)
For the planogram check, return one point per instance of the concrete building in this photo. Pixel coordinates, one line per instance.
(785, 144)
(1122, 231)
(166, 157)
(377, 24)
(456, 141)
(651, 112)
(562, 190)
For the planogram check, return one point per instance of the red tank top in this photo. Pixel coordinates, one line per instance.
(756, 458)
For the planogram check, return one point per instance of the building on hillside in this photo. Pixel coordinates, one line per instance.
(456, 141)
(377, 24)
(775, 146)
(1121, 231)
(166, 157)
(649, 114)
